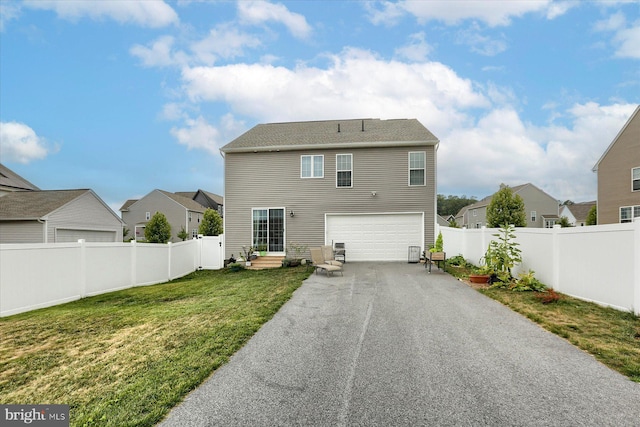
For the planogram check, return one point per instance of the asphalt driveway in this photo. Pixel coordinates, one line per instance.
(390, 345)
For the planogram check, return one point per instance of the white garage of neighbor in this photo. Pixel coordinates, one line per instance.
(377, 236)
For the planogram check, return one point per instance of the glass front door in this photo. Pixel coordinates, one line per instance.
(268, 229)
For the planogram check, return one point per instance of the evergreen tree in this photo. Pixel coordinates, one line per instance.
(564, 222)
(211, 224)
(506, 209)
(592, 216)
(158, 229)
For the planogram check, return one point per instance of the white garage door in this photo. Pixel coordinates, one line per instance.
(68, 235)
(376, 237)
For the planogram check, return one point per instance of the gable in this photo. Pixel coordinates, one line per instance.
(11, 181)
(627, 139)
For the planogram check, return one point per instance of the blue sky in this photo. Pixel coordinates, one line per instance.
(124, 97)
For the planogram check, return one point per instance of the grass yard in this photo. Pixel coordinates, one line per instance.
(126, 358)
(611, 336)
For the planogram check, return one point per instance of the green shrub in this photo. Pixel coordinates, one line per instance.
(235, 267)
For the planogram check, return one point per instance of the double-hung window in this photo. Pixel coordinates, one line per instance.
(312, 166)
(635, 179)
(628, 213)
(344, 170)
(417, 168)
(534, 216)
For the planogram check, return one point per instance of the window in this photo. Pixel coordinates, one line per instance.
(194, 234)
(534, 216)
(311, 166)
(628, 213)
(148, 216)
(344, 170)
(475, 212)
(417, 167)
(635, 179)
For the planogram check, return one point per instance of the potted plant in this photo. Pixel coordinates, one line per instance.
(248, 255)
(437, 251)
(262, 249)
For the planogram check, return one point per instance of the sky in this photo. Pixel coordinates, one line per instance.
(124, 97)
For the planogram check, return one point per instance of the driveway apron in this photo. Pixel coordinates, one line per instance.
(390, 345)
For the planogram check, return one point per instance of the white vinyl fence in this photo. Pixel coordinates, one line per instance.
(34, 276)
(597, 263)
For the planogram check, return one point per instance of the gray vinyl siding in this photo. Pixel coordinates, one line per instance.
(272, 180)
(21, 232)
(539, 201)
(176, 214)
(84, 213)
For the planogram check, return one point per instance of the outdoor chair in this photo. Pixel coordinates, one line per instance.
(319, 263)
(340, 252)
(329, 257)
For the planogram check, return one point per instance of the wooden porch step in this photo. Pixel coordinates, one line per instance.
(263, 262)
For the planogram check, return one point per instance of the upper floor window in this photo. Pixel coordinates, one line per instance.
(635, 179)
(628, 213)
(417, 168)
(147, 216)
(475, 212)
(534, 216)
(312, 166)
(344, 170)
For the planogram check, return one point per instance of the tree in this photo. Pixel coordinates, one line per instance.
(592, 216)
(506, 209)
(211, 224)
(564, 222)
(451, 205)
(183, 234)
(158, 229)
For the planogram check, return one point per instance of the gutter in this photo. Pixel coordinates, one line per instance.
(321, 146)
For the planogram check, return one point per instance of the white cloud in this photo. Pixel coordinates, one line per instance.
(8, 12)
(626, 39)
(355, 84)
(481, 44)
(159, 54)
(147, 13)
(198, 134)
(417, 50)
(225, 41)
(500, 148)
(19, 143)
(389, 14)
(259, 12)
(491, 12)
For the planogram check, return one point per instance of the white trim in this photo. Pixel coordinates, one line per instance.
(284, 231)
(409, 169)
(313, 156)
(345, 170)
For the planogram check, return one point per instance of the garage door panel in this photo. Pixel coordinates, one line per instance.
(376, 237)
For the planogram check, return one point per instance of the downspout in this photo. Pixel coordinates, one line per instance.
(44, 230)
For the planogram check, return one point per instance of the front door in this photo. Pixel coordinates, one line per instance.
(268, 229)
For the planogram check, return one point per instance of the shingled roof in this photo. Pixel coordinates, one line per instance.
(12, 181)
(23, 205)
(332, 134)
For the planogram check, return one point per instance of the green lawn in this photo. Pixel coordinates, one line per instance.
(611, 336)
(126, 358)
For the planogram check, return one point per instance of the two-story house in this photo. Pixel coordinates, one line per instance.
(182, 212)
(541, 210)
(367, 183)
(619, 175)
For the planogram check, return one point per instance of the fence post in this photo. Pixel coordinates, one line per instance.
(83, 268)
(168, 261)
(134, 256)
(555, 268)
(636, 273)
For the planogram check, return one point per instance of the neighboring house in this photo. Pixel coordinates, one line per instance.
(11, 181)
(577, 213)
(206, 199)
(541, 209)
(619, 175)
(181, 212)
(444, 222)
(55, 216)
(370, 184)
